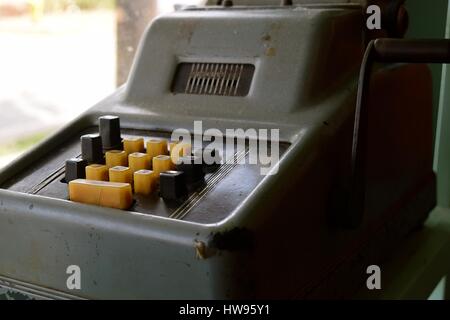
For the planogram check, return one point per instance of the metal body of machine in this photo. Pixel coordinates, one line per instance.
(242, 234)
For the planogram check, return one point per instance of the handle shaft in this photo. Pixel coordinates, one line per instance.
(386, 51)
(412, 51)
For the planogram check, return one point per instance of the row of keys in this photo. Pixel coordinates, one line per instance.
(119, 195)
(113, 166)
(92, 150)
(110, 145)
(117, 161)
(172, 181)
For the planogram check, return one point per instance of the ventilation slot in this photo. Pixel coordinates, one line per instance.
(219, 79)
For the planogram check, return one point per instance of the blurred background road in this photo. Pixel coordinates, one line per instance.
(60, 57)
(51, 71)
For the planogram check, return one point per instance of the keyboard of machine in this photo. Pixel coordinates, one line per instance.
(143, 172)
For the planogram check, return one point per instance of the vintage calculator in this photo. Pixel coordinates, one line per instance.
(113, 194)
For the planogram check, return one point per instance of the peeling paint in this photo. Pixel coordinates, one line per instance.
(271, 52)
(201, 250)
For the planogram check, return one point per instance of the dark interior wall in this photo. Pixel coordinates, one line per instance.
(428, 20)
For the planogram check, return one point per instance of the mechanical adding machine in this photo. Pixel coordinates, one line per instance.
(140, 215)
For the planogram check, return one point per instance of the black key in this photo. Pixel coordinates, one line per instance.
(210, 157)
(172, 186)
(110, 132)
(193, 169)
(91, 148)
(75, 169)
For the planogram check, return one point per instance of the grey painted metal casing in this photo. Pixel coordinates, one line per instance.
(306, 63)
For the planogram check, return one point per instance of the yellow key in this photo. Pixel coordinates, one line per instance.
(101, 193)
(132, 145)
(120, 174)
(162, 164)
(145, 182)
(172, 145)
(180, 150)
(187, 149)
(138, 161)
(97, 172)
(157, 147)
(116, 158)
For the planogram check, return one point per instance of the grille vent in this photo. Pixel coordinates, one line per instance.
(219, 79)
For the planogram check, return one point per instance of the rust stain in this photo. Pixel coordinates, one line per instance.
(271, 52)
(187, 31)
(266, 38)
(200, 250)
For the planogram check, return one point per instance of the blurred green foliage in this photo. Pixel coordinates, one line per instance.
(23, 144)
(58, 5)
